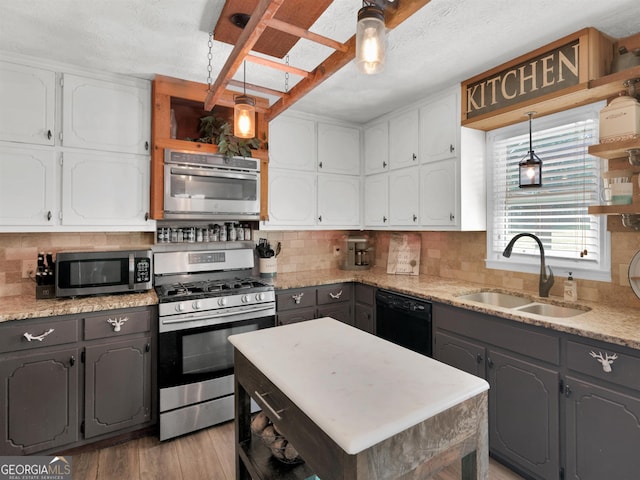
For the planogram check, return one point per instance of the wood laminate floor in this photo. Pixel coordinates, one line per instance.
(207, 454)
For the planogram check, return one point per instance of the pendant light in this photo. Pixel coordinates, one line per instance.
(244, 112)
(370, 39)
(530, 167)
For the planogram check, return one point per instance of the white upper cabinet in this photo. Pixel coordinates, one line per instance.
(27, 104)
(101, 189)
(338, 201)
(338, 149)
(439, 127)
(28, 186)
(292, 198)
(376, 148)
(292, 143)
(376, 200)
(106, 115)
(404, 197)
(403, 139)
(438, 193)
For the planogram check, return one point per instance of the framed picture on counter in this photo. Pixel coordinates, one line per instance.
(404, 254)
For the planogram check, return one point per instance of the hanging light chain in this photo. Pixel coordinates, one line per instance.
(210, 57)
(286, 75)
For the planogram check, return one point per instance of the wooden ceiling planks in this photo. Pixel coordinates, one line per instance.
(264, 16)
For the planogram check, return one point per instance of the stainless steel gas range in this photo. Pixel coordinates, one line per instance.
(205, 296)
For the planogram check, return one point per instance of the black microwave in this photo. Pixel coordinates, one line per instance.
(103, 273)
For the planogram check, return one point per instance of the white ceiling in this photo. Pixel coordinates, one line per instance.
(446, 42)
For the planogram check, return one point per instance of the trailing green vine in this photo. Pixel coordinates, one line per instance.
(217, 131)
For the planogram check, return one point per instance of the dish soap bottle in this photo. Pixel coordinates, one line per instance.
(570, 289)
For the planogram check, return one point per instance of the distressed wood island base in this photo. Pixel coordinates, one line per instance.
(355, 407)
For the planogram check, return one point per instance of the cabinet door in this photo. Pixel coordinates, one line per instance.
(27, 103)
(461, 354)
(105, 115)
(603, 432)
(403, 196)
(376, 200)
(403, 140)
(28, 186)
(117, 386)
(105, 189)
(339, 311)
(338, 149)
(292, 143)
(292, 198)
(524, 414)
(39, 398)
(438, 193)
(376, 148)
(295, 316)
(439, 125)
(338, 200)
(364, 318)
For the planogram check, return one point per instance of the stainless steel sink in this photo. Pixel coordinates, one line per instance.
(549, 310)
(521, 304)
(496, 299)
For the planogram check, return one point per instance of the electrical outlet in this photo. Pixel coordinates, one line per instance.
(28, 268)
(336, 251)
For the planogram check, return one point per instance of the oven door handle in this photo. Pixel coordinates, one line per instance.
(215, 316)
(200, 172)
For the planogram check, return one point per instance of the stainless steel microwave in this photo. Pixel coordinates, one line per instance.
(210, 186)
(102, 273)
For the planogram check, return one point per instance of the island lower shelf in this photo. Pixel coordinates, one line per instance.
(262, 465)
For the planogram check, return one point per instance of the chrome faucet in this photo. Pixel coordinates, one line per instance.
(546, 282)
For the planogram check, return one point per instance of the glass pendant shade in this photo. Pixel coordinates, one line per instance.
(530, 167)
(244, 113)
(370, 40)
(530, 171)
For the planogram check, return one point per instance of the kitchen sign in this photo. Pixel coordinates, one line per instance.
(550, 71)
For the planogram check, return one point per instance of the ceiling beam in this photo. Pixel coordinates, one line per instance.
(394, 15)
(264, 11)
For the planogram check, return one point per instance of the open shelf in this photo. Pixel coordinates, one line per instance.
(262, 465)
(613, 150)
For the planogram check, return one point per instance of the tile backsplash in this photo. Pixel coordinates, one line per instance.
(455, 255)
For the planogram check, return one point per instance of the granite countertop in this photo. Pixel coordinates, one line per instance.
(23, 307)
(608, 323)
(319, 366)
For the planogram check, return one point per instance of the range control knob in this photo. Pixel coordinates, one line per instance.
(245, 299)
(222, 301)
(260, 297)
(179, 307)
(197, 305)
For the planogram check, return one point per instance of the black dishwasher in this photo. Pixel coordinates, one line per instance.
(404, 320)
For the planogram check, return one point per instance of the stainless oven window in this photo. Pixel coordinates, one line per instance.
(214, 187)
(210, 351)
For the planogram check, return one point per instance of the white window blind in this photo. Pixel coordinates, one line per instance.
(557, 212)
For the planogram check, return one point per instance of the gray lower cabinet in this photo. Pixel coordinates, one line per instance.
(49, 366)
(522, 368)
(602, 391)
(40, 400)
(364, 316)
(560, 406)
(300, 304)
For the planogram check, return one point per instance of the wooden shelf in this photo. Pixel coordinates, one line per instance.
(261, 465)
(613, 150)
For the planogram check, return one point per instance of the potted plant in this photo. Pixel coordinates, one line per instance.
(217, 130)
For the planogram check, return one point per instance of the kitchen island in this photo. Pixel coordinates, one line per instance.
(356, 406)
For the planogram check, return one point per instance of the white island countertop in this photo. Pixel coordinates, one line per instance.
(358, 388)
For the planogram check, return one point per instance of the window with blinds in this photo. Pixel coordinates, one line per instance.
(557, 212)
